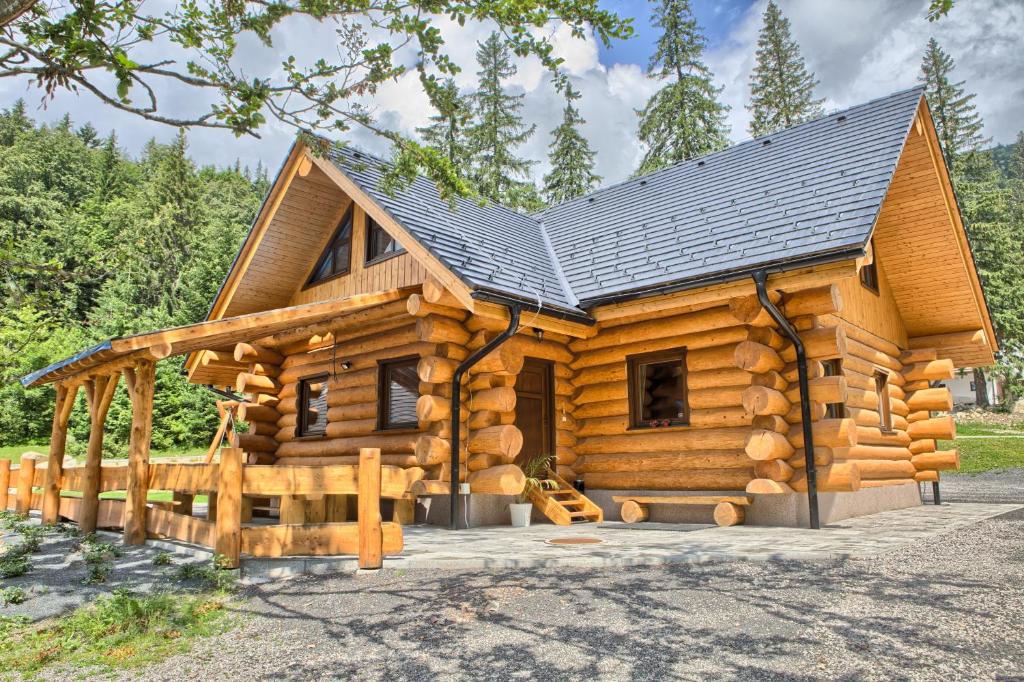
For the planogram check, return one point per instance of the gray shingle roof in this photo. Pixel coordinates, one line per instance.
(486, 246)
(808, 191)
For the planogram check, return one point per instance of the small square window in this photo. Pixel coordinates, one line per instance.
(657, 389)
(379, 244)
(398, 390)
(884, 408)
(869, 271)
(312, 397)
(833, 368)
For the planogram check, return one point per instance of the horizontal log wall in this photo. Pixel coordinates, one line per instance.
(709, 454)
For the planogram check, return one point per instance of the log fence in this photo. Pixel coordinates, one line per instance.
(226, 530)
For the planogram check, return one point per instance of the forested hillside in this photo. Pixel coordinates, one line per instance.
(94, 244)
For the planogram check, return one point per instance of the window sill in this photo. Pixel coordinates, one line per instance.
(325, 280)
(648, 429)
(396, 430)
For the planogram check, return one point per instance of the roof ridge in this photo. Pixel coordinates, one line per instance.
(746, 141)
(567, 289)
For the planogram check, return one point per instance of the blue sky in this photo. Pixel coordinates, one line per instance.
(716, 18)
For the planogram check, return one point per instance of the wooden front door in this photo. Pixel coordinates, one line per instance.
(535, 409)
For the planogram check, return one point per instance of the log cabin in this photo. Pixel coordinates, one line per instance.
(760, 328)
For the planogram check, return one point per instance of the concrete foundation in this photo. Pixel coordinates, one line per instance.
(475, 511)
(770, 510)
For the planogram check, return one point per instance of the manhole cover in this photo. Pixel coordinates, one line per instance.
(575, 541)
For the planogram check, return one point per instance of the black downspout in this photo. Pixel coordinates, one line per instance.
(761, 281)
(224, 394)
(460, 371)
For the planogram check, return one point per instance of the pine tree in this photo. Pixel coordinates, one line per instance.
(447, 130)
(781, 87)
(956, 117)
(13, 122)
(684, 119)
(572, 160)
(498, 174)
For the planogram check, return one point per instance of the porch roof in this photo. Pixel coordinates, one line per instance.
(111, 355)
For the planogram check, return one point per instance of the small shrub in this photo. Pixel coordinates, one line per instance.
(12, 595)
(97, 574)
(214, 574)
(9, 520)
(96, 552)
(14, 563)
(162, 559)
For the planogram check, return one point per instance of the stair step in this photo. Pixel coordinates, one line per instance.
(552, 493)
(572, 503)
(581, 514)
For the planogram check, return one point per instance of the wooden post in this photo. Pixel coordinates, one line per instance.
(371, 534)
(26, 472)
(404, 512)
(229, 507)
(98, 394)
(58, 440)
(140, 381)
(5, 482)
(211, 507)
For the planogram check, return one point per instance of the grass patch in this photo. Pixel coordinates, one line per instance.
(976, 429)
(985, 454)
(115, 632)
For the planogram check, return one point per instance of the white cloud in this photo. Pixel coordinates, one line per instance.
(858, 51)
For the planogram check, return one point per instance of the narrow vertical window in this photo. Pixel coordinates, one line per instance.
(657, 389)
(312, 397)
(379, 244)
(869, 271)
(336, 260)
(398, 389)
(884, 408)
(834, 368)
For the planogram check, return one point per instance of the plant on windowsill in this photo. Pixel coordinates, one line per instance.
(535, 471)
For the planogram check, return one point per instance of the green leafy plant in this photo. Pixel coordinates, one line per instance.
(12, 595)
(214, 574)
(536, 470)
(162, 559)
(13, 563)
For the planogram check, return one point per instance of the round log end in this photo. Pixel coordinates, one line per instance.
(729, 514)
(634, 512)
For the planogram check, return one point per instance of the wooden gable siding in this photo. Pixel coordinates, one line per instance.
(924, 253)
(394, 273)
(876, 313)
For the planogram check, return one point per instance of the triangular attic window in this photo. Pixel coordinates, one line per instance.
(336, 259)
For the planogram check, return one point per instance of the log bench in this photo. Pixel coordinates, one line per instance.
(728, 508)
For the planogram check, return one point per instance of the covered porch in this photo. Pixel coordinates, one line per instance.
(237, 473)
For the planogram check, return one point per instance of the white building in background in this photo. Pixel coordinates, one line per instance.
(963, 389)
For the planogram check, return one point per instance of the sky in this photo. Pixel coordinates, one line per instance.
(858, 50)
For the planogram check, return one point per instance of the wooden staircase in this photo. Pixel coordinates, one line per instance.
(565, 505)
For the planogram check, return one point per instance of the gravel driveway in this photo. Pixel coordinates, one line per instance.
(1000, 485)
(949, 608)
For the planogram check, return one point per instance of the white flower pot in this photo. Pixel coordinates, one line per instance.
(521, 514)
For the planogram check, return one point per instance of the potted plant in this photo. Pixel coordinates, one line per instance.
(535, 471)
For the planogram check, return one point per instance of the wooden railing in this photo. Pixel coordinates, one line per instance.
(230, 481)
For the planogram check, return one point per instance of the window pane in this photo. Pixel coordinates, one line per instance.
(314, 406)
(403, 389)
(337, 256)
(664, 392)
(379, 243)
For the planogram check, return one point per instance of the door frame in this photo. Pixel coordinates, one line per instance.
(547, 397)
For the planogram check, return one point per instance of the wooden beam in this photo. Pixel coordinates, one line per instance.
(99, 393)
(58, 440)
(371, 534)
(703, 297)
(141, 379)
(229, 507)
(974, 338)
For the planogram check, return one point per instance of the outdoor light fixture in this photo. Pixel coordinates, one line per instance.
(345, 364)
(539, 333)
